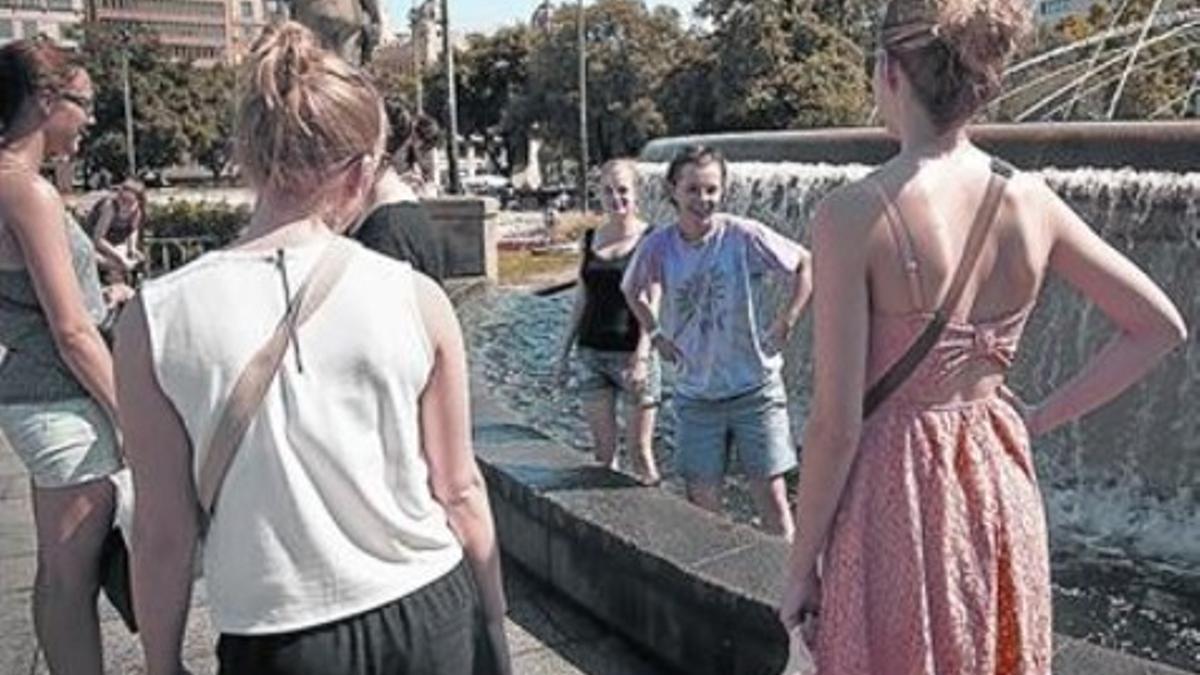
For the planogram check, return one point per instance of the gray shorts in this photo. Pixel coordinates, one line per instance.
(605, 371)
(61, 443)
(757, 424)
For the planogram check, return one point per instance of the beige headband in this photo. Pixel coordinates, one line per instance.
(913, 34)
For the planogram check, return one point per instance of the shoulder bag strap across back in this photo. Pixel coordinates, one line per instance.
(906, 364)
(254, 381)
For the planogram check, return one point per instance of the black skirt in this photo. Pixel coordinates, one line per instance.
(435, 630)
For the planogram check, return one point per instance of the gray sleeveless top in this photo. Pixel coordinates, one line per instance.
(31, 369)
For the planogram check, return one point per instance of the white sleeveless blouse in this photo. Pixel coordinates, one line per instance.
(326, 510)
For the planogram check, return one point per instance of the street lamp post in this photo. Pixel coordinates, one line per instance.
(131, 153)
(583, 123)
(451, 103)
(418, 54)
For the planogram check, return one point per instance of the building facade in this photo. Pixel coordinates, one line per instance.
(1053, 11)
(199, 31)
(55, 19)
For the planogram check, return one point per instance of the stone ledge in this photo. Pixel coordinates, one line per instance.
(691, 588)
(1154, 146)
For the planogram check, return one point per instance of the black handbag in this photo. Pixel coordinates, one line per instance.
(114, 577)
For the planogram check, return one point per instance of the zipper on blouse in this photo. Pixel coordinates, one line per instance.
(288, 314)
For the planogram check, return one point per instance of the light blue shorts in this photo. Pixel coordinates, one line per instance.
(605, 371)
(61, 443)
(755, 422)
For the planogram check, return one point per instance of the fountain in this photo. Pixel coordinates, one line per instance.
(1127, 477)
(1122, 486)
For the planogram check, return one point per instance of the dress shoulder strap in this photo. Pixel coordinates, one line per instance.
(902, 236)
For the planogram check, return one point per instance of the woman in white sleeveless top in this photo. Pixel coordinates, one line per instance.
(352, 532)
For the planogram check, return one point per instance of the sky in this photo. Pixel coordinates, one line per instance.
(486, 15)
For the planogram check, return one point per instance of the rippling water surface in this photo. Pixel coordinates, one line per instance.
(1102, 593)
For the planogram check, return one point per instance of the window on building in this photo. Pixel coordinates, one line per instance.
(61, 5)
(247, 10)
(29, 29)
(6, 29)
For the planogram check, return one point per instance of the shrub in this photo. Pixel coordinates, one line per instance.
(220, 221)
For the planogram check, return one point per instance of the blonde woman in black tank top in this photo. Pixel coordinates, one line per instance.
(614, 354)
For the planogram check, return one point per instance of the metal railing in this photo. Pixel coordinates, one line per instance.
(164, 254)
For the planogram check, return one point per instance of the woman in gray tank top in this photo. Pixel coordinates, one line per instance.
(57, 397)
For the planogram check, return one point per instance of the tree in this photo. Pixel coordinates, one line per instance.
(392, 70)
(780, 65)
(210, 119)
(492, 72)
(159, 94)
(631, 50)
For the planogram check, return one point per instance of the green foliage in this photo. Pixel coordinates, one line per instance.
(156, 84)
(492, 72)
(631, 50)
(780, 65)
(209, 120)
(392, 71)
(179, 111)
(219, 221)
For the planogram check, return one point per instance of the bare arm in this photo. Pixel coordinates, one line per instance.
(108, 254)
(572, 330)
(47, 255)
(841, 321)
(644, 305)
(1148, 323)
(454, 476)
(802, 286)
(652, 297)
(164, 521)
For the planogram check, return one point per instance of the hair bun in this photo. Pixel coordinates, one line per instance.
(983, 33)
(303, 111)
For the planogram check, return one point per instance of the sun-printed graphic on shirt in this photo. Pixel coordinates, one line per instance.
(701, 298)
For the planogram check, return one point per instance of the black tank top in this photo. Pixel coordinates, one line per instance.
(607, 323)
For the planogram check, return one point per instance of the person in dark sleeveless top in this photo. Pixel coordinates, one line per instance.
(614, 353)
(115, 223)
(57, 395)
(395, 223)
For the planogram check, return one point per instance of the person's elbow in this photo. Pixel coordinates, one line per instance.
(630, 291)
(460, 493)
(804, 263)
(833, 432)
(74, 337)
(1173, 331)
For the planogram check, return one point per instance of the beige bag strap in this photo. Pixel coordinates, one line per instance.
(254, 381)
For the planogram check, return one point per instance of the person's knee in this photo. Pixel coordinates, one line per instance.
(67, 569)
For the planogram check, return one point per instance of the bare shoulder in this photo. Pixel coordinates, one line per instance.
(847, 213)
(1034, 203)
(27, 198)
(437, 312)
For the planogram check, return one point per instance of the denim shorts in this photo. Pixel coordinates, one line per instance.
(757, 424)
(599, 371)
(61, 443)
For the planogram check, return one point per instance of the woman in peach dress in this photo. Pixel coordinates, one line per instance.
(926, 516)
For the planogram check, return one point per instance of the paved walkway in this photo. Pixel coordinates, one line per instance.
(546, 635)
